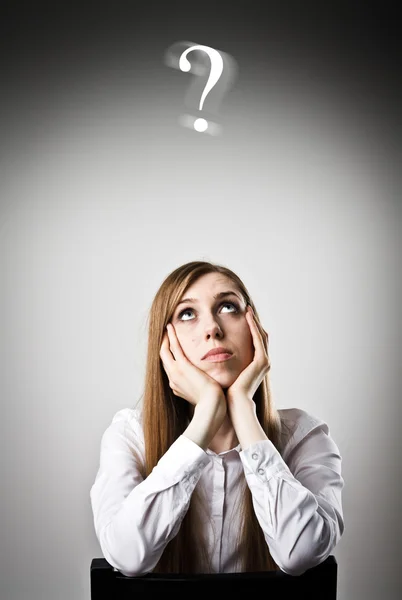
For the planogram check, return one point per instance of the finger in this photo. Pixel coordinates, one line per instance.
(175, 347)
(165, 354)
(164, 345)
(260, 340)
(264, 337)
(257, 337)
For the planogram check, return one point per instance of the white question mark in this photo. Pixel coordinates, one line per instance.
(214, 75)
(223, 69)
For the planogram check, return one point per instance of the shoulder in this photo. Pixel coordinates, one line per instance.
(130, 416)
(297, 425)
(125, 428)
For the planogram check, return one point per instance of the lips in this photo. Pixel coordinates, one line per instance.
(219, 350)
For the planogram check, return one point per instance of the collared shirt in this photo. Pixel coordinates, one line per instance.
(296, 495)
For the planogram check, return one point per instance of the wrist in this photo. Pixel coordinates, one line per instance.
(243, 415)
(240, 399)
(212, 405)
(207, 418)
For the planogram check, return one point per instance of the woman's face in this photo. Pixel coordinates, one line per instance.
(209, 321)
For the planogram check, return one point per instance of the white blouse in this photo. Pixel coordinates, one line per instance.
(296, 495)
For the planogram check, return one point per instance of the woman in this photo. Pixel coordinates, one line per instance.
(209, 476)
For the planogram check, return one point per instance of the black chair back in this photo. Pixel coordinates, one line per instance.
(318, 583)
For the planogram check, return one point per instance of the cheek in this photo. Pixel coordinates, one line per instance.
(186, 344)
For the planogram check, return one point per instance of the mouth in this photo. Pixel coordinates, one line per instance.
(218, 357)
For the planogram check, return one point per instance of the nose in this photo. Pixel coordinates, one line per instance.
(213, 330)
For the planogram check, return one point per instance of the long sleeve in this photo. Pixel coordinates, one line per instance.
(298, 505)
(135, 518)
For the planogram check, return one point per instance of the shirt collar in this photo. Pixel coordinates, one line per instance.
(212, 453)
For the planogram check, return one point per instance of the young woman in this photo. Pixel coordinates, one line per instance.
(209, 476)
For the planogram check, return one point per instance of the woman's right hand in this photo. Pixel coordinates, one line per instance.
(185, 379)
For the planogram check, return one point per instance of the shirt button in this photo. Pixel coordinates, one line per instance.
(261, 471)
(255, 456)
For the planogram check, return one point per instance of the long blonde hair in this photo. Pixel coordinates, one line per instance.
(166, 416)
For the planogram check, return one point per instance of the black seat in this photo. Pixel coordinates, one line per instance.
(318, 583)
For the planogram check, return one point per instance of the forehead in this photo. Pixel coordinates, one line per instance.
(210, 284)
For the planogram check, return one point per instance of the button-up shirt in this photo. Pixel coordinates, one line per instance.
(296, 495)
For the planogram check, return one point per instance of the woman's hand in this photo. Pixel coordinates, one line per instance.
(250, 378)
(185, 379)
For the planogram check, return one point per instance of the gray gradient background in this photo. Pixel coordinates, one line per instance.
(103, 193)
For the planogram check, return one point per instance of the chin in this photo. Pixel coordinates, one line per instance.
(224, 380)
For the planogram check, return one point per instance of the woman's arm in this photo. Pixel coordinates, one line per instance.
(135, 518)
(207, 418)
(299, 504)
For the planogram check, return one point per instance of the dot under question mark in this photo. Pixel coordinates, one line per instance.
(201, 124)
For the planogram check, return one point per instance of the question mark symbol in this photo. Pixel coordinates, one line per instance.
(214, 75)
(222, 69)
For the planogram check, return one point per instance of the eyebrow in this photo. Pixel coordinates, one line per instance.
(220, 295)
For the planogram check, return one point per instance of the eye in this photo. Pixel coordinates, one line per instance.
(187, 310)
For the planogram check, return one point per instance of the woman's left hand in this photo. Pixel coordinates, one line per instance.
(250, 378)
